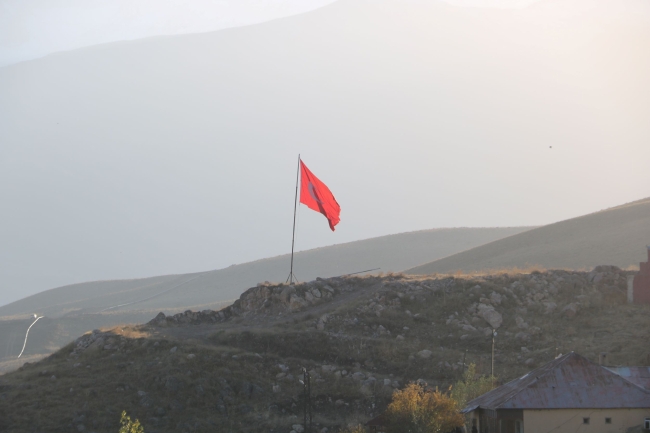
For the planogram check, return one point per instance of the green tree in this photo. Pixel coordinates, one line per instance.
(471, 386)
(129, 426)
(416, 410)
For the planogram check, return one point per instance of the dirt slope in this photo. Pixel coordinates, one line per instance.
(238, 369)
(618, 235)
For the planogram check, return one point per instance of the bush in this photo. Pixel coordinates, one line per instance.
(471, 386)
(416, 410)
(355, 429)
(129, 426)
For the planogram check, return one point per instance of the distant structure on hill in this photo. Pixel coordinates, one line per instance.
(640, 285)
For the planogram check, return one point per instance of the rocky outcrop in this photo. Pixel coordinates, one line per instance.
(264, 299)
(490, 315)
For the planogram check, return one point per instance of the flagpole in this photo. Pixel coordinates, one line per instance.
(293, 236)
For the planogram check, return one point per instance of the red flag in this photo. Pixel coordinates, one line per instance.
(317, 196)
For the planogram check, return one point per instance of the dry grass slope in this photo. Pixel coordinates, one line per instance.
(616, 236)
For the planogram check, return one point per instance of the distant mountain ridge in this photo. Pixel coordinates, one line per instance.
(389, 253)
(616, 236)
(74, 309)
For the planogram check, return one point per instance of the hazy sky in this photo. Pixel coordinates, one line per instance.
(178, 154)
(35, 28)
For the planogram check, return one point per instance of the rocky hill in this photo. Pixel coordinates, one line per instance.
(238, 369)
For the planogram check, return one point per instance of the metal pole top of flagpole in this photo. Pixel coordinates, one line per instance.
(293, 235)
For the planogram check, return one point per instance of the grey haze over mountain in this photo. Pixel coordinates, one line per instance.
(36, 28)
(175, 155)
(33, 29)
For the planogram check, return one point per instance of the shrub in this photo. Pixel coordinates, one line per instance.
(129, 426)
(471, 386)
(354, 429)
(416, 410)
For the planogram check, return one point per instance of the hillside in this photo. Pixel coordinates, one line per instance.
(72, 310)
(238, 369)
(618, 235)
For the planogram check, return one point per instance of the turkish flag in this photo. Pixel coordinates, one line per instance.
(317, 196)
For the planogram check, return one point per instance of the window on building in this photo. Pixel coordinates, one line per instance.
(608, 420)
(519, 427)
(585, 420)
(646, 425)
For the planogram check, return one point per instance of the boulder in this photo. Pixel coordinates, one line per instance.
(570, 310)
(490, 315)
(521, 324)
(522, 336)
(286, 293)
(550, 307)
(425, 354)
(296, 302)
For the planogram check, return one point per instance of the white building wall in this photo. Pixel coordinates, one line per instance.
(571, 420)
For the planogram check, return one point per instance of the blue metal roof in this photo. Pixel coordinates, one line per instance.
(568, 382)
(637, 375)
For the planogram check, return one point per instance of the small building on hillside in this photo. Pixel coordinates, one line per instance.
(377, 424)
(569, 394)
(641, 283)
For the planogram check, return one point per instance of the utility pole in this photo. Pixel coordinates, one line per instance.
(306, 383)
(309, 401)
(494, 334)
(463, 370)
